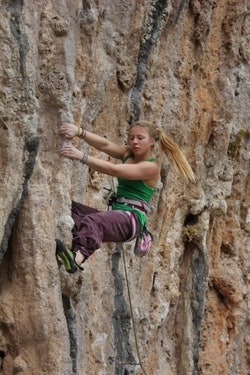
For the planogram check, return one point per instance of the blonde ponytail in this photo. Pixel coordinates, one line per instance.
(172, 151)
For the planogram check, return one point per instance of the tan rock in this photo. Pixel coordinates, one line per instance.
(185, 66)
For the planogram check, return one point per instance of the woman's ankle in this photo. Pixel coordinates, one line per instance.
(79, 257)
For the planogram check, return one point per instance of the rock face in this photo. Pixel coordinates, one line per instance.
(184, 65)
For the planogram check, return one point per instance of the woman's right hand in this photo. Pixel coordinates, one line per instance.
(68, 130)
(71, 152)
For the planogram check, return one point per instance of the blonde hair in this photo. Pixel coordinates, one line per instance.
(170, 148)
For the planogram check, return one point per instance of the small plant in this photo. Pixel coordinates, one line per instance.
(235, 143)
(192, 233)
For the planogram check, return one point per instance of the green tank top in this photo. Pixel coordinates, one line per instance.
(134, 189)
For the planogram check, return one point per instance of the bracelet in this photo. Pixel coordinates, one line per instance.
(81, 132)
(84, 159)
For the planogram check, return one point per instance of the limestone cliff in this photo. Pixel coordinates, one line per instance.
(102, 64)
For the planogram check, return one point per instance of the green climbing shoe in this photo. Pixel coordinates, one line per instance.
(67, 257)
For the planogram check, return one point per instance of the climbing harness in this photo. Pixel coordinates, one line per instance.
(135, 203)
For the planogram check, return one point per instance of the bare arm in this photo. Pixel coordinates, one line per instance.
(145, 170)
(100, 143)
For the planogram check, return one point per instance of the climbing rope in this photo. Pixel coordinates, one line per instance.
(131, 312)
(113, 190)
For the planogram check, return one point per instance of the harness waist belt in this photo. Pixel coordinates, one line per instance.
(134, 202)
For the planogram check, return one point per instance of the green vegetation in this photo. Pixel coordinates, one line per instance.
(235, 143)
(192, 232)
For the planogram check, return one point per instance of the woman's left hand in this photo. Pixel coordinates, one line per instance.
(71, 152)
(68, 130)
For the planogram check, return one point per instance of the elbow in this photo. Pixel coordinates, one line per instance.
(114, 172)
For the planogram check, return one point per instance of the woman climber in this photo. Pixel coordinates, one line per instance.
(137, 174)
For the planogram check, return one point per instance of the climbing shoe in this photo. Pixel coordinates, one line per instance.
(67, 257)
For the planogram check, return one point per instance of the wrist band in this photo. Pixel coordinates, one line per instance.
(81, 132)
(84, 158)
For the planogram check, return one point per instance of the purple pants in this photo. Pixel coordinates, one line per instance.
(92, 227)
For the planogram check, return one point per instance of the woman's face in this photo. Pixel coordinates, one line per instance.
(140, 140)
